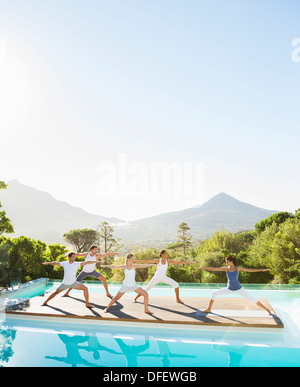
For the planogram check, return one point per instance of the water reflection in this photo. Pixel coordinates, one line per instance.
(7, 336)
(127, 348)
(131, 352)
(235, 353)
(166, 355)
(37, 343)
(92, 348)
(73, 356)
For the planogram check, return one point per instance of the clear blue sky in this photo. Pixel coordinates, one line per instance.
(211, 82)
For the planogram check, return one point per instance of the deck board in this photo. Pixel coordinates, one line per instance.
(235, 312)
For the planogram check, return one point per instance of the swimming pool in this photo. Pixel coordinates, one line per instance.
(51, 342)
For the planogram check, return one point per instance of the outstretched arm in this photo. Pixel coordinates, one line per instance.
(140, 266)
(88, 262)
(106, 254)
(240, 268)
(212, 268)
(77, 255)
(114, 266)
(181, 262)
(51, 263)
(146, 261)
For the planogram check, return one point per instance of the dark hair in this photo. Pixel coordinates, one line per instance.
(231, 259)
(93, 247)
(128, 256)
(162, 252)
(70, 254)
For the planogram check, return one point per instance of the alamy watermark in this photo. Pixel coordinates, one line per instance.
(296, 51)
(138, 179)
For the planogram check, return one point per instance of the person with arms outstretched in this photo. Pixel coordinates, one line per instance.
(233, 283)
(69, 281)
(129, 283)
(160, 274)
(89, 270)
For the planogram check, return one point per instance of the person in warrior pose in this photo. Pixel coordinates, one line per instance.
(69, 281)
(89, 270)
(161, 276)
(233, 284)
(129, 283)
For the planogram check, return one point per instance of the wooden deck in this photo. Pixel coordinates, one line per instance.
(234, 312)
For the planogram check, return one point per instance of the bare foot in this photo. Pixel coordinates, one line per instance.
(179, 301)
(109, 295)
(44, 304)
(148, 312)
(89, 306)
(105, 310)
(66, 295)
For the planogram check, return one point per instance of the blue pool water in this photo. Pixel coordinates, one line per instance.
(44, 342)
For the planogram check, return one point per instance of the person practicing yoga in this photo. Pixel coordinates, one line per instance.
(69, 281)
(89, 270)
(160, 274)
(233, 283)
(129, 283)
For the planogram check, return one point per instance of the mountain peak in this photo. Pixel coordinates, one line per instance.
(223, 201)
(222, 195)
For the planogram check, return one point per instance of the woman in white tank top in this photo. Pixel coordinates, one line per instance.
(161, 274)
(129, 283)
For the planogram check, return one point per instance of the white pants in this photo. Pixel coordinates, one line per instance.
(241, 292)
(155, 280)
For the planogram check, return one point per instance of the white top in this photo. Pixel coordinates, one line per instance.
(129, 277)
(91, 267)
(70, 271)
(161, 270)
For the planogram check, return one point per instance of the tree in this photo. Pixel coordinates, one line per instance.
(177, 246)
(5, 222)
(4, 263)
(81, 240)
(278, 218)
(223, 242)
(109, 243)
(184, 274)
(22, 259)
(105, 235)
(278, 248)
(183, 237)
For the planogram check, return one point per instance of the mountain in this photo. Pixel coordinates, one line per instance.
(39, 215)
(221, 211)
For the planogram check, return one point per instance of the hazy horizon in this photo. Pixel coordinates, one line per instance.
(131, 109)
(127, 220)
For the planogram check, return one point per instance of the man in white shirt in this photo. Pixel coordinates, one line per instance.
(90, 271)
(70, 270)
